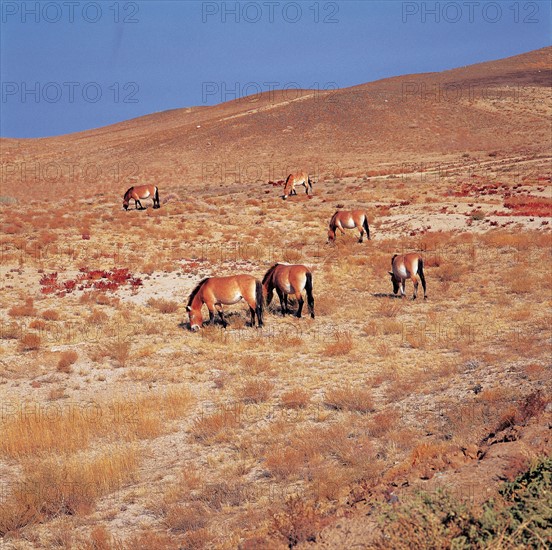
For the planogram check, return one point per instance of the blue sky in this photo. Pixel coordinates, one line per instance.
(70, 66)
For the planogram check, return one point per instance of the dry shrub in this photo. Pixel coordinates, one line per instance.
(119, 351)
(186, 517)
(163, 306)
(254, 365)
(56, 393)
(390, 326)
(296, 398)
(67, 359)
(210, 427)
(152, 540)
(350, 399)
(285, 462)
(389, 308)
(101, 539)
(26, 310)
(371, 328)
(29, 342)
(255, 391)
(383, 422)
(299, 521)
(342, 345)
(519, 280)
(450, 272)
(194, 540)
(97, 317)
(52, 486)
(11, 331)
(37, 430)
(37, 324)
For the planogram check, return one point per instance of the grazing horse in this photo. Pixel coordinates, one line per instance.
(141, 192)
(405, 267)
(289, 279)
(298, 178)
(215, 291)
(349, 219)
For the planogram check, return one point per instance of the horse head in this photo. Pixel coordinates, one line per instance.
(194, 316)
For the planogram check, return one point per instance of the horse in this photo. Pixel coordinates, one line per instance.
(138, 192)
(289, 279)
(405, 267)
(215, 291)
(297, 178)
(349, 219)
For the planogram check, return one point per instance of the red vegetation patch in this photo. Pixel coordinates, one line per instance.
(95, 279)
(476, 189)
(528, 206)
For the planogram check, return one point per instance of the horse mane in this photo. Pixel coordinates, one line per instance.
(127, 194)
(269, 273)
(332, 221)
(287, 181)
(196, 290)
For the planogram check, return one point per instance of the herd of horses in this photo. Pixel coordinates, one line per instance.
(285, 279)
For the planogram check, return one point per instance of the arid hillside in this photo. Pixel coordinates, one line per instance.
(379, 423)
(376, 127)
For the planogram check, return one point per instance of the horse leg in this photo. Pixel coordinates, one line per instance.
(422, 277)
(252, 313)
(286, 303)
(415, 281)
(138, 203)
(221, 315)
(361, 238)
(281, 297)
(301, 302)
(211, 317)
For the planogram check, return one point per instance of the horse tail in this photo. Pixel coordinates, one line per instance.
(365, 224)
(156, 196)
(310, 297)
(332, 220)
(421, 273)
(259, 301)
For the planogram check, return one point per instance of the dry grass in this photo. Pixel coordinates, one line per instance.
(255, 391)
(30, 341)
(322, 409)
(53, 486)
(208, 428)
(25, 310)
(33, 428)
(296, 398)
(67, 359)
(355, 399)
(343, 344)
(163, 306)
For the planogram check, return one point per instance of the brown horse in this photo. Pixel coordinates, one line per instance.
(215, 291)
(349, 219)
(297, 178)
(405, 267)
(141, 192)
(289, 279)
